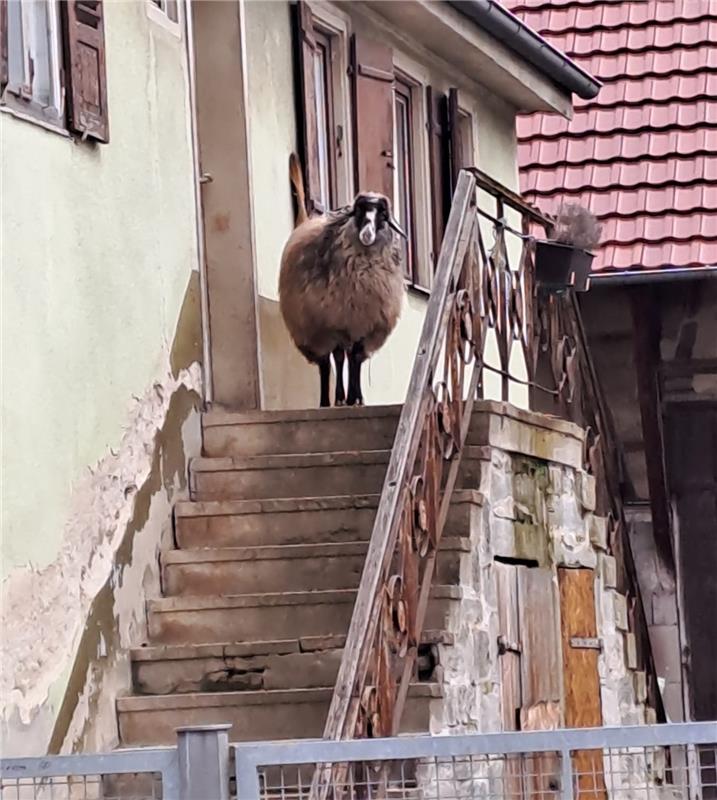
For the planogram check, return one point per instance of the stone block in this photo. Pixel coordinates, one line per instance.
(586, 490)
(598, 531)
(620, 611)
(650, 716)
(630, 651)
(608, 571)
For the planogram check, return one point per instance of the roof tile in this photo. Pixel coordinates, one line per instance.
(642, 154)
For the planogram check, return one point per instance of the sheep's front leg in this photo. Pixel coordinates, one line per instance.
(324, 377)
(339, 362)
(357, 356)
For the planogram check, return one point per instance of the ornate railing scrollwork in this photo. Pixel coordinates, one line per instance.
(478, 287)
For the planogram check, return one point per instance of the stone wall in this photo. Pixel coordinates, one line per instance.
(534, 508)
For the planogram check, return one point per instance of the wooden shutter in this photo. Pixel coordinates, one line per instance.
(86, 73)
(305, 45)
(437, 104)
(539, 673)
(373, 115)
(3, 45)
(580, 672)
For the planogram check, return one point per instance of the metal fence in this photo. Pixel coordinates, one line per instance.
(656, 762)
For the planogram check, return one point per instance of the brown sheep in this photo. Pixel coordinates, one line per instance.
(341, 285)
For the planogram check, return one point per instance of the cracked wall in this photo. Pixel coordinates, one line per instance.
(102, 382)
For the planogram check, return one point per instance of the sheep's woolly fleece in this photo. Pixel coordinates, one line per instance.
(43, 611)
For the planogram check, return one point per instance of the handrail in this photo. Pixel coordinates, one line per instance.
(475, 289)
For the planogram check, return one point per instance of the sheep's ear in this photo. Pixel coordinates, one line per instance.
(396, 227)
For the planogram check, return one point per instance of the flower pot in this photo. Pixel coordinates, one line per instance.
(561, 266)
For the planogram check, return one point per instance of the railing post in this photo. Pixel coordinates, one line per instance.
(566, 773)
(203, 753)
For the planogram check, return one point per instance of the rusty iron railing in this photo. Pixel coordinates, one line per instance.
(479, 286)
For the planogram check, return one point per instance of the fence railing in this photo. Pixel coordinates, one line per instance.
(651, 762)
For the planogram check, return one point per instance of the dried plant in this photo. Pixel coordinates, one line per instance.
(576, 226)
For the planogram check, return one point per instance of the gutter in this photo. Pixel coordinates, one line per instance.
(628, 276)
(523, 40)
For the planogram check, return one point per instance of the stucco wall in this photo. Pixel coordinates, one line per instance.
(98, 260)
(287, 380)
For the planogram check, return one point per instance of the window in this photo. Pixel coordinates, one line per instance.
(34, 58)
(170, 8)
(326, 129)
(404, 188)
(52, 64)
(321, 53)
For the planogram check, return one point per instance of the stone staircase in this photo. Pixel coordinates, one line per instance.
(258, 594)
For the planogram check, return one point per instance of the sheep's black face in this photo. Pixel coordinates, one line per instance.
(374, 220)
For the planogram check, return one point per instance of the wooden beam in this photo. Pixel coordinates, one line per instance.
(646, 325)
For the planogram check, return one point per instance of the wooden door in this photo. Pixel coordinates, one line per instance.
(580, 646)
(529, 646)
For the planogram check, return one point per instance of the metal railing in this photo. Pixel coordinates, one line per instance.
(651, 762)
(478, 289)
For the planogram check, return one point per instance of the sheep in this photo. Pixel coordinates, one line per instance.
(341, 285)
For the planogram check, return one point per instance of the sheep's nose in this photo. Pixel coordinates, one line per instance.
(367, 235)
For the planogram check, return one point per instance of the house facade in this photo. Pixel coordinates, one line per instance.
(146, 202)
(641, 155)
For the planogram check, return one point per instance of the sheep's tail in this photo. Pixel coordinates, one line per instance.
(297, 183)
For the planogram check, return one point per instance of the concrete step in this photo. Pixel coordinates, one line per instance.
(263, 715)
(284, 568)
(307, 475)
(283, 615)
(302, 431)
(305, 663)
(288, 521)
(373, 428)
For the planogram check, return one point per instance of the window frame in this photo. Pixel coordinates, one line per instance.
(405, 91)
(410, 73)
(325, 41)
(14, 99)
(333, 24)
(157, 11)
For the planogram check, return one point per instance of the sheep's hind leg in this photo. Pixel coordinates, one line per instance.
(324, 377)
(339, 362)
(357, 355)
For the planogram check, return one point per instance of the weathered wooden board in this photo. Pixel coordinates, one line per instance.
(580, 674)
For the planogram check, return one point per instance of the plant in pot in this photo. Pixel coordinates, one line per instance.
(564, 261)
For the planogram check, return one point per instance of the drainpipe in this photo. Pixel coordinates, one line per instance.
(628, 276)
(199, 214)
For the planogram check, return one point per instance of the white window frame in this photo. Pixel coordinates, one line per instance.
(159, 13)
(418, 76)
(337, 24)
(15, 99)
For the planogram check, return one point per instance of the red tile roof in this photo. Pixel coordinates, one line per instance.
(643, 154)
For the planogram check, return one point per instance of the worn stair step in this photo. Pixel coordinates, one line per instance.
(308, 475)
(304, 520)
(254, 716)
(284, 568)
(285, 615)
(284, 664)
(318, 430)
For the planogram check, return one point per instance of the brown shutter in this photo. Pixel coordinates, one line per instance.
(580, 672)
(438, 161)
(85, 53)
(3, 45)
(373, 115)
(308, 124)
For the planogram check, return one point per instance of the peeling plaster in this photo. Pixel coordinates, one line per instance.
(45, 611)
